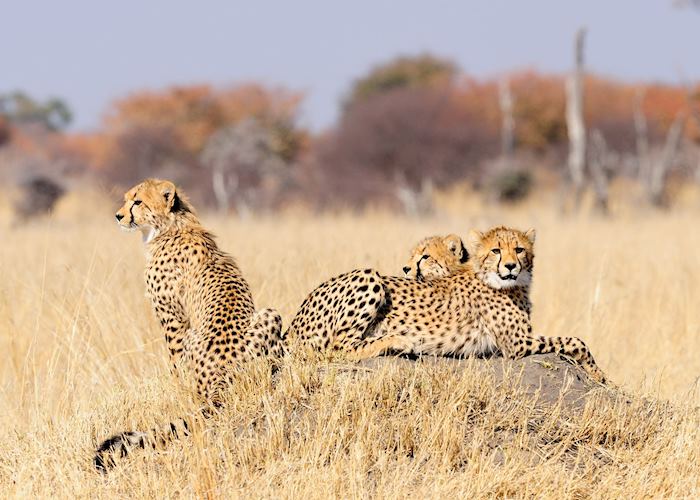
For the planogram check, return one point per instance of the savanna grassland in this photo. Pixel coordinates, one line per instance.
(82, 357)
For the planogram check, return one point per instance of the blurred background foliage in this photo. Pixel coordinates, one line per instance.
(407, 127)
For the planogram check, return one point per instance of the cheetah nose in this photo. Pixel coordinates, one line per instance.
(119, 217)
(510, 266)
(406, 269)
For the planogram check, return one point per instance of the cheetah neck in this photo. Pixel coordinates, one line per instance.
(192, 242)
(175, 223)
(147, 234)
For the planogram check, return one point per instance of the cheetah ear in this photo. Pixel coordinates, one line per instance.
(530, 234)
(454, 244)
(463, 254)
(169, 192)
(474, 240)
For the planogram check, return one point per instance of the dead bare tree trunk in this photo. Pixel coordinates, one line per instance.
(695, 115)
(505, 102)
(658, 173)
(415, 202)
(641, 138)
(598, 164)
(574, 120)
(219, 187)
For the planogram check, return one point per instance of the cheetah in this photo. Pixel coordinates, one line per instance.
(203, 303)
(481, 310)
(436, 257)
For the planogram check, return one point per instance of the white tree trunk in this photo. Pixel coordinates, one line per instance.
(220, 191)
(598, 163)
(574, 120)
(505, 101)
(641, 139)
(415, 202)
(658, 174)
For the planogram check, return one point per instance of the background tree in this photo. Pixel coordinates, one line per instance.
(165, 132)
(21, 109)
(5, 131)
(143, 151)
(539, 111)
(195, 112)
(404, 72)
(403, 139)
(246, 163)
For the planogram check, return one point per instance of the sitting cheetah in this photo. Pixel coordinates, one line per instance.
(436, 257)
(479, 310)
(202, 301)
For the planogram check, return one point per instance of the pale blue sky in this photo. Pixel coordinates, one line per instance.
(90, 52)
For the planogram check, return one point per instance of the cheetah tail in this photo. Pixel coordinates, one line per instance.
(120, 445)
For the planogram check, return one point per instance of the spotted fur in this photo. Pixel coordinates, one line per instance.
(200, 298)
(436, 257)
(480, 310)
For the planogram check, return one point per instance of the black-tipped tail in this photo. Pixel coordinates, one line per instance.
(119, 445)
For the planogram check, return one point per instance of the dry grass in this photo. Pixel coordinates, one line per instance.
(81, 357)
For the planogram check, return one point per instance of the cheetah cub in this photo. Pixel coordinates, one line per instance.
(436, 257)
(201, 299)
(482, 309)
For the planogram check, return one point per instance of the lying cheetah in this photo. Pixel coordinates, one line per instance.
(479, 310)
(202, 301)
(436, 257)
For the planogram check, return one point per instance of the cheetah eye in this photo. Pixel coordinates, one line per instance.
(424, 257)
(496, 250)
(519, 249)
(137, 202)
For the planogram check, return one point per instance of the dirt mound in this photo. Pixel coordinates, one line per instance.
(548, 378)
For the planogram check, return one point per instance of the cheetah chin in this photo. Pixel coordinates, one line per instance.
(128, 229)
(495, 280)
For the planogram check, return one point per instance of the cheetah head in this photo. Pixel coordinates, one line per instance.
(436, 257)
(150, 206)
(503, 257)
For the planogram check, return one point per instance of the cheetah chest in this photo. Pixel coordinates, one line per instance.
(165, 284)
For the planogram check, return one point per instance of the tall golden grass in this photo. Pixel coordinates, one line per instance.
(82, 357)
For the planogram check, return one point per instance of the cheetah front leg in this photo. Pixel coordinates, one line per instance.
(572, 347)
(376, 346)
(177, 330)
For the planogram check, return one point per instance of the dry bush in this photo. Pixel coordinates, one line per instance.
(246, 168)
(142, 151)
(5, 131)
(39, 195)
(510, 185)
(400, 138)
(163, 133)
(82, 357)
